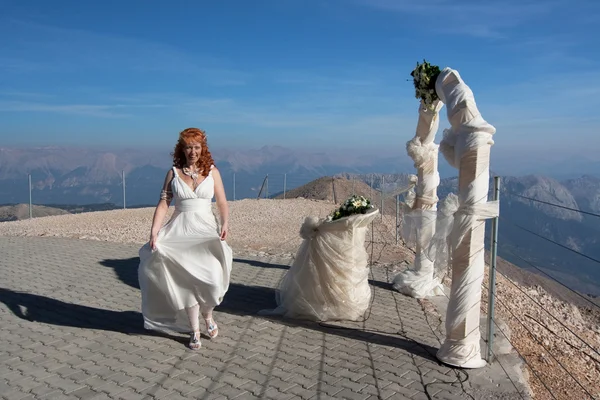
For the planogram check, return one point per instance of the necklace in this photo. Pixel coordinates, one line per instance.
(193, 174)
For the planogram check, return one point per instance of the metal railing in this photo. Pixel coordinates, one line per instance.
(544, 351)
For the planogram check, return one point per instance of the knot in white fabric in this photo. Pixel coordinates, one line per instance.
(421, 153)
(453, 222)
(309, 228)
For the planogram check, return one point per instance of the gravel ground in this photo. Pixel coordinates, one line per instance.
(267, 226)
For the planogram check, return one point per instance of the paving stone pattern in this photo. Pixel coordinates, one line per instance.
(70, 328)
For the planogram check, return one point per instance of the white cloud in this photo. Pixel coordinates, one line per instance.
(471, 18)
(91, 110)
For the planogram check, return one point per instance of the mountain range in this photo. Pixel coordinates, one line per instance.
(81, 176)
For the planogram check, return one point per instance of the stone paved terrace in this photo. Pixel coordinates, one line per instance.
(70, 327)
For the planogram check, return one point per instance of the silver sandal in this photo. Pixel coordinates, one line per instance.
(195, 343)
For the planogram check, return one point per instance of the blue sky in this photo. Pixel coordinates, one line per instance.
(296, 73)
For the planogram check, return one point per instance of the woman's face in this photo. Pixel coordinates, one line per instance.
(192, 152)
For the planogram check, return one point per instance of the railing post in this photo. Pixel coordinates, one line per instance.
(333, 190)
(397, 216)
(30, 205)
(382, 193)
(492, 276)
(123, 179)
(267, 188)
(262, 187)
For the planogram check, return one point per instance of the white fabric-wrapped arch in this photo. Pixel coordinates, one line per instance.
(329, 277)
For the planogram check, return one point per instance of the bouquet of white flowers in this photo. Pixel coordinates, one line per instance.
(354, 205)
(424, 77)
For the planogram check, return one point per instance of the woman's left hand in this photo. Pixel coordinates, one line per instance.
(224, 230)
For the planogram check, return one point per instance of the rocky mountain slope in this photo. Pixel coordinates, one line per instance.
(21, 211)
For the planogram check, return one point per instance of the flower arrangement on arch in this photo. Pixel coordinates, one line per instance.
(424, 77)
(353, 205)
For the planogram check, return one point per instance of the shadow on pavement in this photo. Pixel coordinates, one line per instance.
(126, 270)
(37, 308)
(247, 300)
(260, 264)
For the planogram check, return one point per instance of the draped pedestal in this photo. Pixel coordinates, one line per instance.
(419, 221)
(466, 146)
(329, 277)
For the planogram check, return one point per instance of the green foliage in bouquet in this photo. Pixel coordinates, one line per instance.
(354, 205)
(424, 77)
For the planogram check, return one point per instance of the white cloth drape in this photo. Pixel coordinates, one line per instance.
(420, 279)
(329, 277)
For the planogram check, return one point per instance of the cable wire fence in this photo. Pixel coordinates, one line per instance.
(558, 341)
(383, 190)
(553, 204)
(552, 327)
(559, 352)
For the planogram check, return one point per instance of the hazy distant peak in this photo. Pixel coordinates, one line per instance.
(545, 189)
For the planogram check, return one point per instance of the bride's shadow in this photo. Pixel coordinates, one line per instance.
(37, 308)
(125, 269)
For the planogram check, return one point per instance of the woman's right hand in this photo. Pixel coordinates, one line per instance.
(153, 237)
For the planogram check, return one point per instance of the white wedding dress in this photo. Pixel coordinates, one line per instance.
(328, 280)
(191, 265)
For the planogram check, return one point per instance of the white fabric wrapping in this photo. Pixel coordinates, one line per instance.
(465, 146)
(329, 277)
(418, 223)
(424, 153)
(411, 195)
(468, 128)
(407, 225)
(418, 281)
(445, 240)
(191, 264)
(438, 250)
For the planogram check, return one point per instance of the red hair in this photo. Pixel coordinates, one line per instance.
(187, 136)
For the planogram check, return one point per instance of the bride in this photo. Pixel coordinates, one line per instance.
(185, 267)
